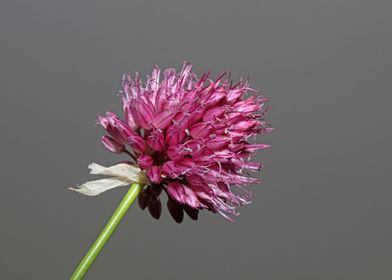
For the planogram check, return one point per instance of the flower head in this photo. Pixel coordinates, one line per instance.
(189, 136)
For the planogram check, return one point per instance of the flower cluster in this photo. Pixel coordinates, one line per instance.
(190, 137)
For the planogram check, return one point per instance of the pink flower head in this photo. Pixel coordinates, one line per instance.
(190, 137)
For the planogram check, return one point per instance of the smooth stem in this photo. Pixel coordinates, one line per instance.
(110, 227)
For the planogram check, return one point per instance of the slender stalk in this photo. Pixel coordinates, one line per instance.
(130, 154)
(108, 230)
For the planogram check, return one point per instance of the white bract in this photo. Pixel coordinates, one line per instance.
(121, 175)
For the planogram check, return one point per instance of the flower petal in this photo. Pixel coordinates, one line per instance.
(143, 199)
(190, 197)
(155, 207)
(154, 173)
(201, 130)
(192, 213)
(176, 191)
(112, 145)
(163, 119)
(145, 161)
(176, 210)
(156, 140)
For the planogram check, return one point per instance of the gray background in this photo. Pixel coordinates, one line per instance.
(323, 211)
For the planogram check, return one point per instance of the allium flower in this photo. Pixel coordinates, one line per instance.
(189, 138)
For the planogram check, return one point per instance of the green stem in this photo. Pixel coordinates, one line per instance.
(110, 227)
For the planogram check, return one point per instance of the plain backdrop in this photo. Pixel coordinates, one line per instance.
(324, 208)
